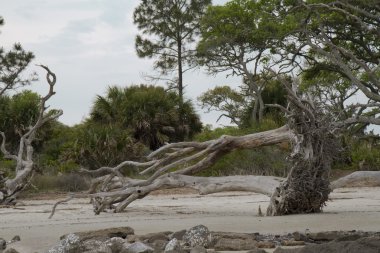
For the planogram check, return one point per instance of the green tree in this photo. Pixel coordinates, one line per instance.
(168, 31)
(229, 102)
(337, 44)
(237, 105)
(237, 39)
(150, 113)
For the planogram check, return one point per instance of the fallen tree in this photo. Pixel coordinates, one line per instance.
(10, 188)
(305, 189)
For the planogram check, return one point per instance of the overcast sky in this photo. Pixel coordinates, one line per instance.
(89, 44)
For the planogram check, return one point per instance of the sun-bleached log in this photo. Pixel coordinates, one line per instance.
(358, 179)
(207, 185)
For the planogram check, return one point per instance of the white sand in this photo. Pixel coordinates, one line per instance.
(349, 209)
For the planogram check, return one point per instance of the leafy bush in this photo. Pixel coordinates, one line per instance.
(151, 114)
(95, 145)
(365, 156)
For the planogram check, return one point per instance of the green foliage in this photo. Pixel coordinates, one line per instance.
(223, 99)
(241, 38)
(7, 167)
(208, 133)
(238, 106)
(149, 113)
(61, 183)
(17, 113)
(51, 158)
(94, 145)
(240, 30)
(362, 153)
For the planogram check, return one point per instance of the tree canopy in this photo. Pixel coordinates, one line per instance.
(168, 31)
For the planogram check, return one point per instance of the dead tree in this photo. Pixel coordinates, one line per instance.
(307, 186)
(10, 188)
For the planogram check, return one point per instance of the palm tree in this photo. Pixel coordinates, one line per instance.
(149, 112)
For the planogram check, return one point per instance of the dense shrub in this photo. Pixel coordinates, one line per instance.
(60, 183)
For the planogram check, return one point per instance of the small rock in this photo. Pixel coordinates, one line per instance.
(198, 249)
(93, 246)
(299, 236)
(352, 237)
(173, 246)
(138, 247)
(178, 235)
(115, 244)
(3, 244)
(324, 236)
(102, 234)
(225, 244)
(367, 245)
(11, 250)
(71, 243)
(16, 238)
(159, 245)
(282, 250)
(154, 237)
(198, 235)
(265, 245)
(292, 243)
(256, 250)
(132, 238)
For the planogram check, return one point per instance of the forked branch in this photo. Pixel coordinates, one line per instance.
(24, 169)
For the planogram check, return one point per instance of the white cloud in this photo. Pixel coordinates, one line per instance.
(40, 26)
(102, 34)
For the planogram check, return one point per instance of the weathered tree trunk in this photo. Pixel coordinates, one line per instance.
(307, 186)
(10, 188)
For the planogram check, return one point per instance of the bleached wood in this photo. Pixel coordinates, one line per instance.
(358, 179)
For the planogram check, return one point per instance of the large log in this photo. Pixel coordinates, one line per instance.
(207, 185)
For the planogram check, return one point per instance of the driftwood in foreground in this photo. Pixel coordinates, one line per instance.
(207, 185)
(10, 188)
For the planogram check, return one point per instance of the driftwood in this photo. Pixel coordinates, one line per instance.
(207, 185)
(10, 188)
(358, 179)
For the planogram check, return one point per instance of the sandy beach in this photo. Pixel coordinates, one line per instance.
(348, 209)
